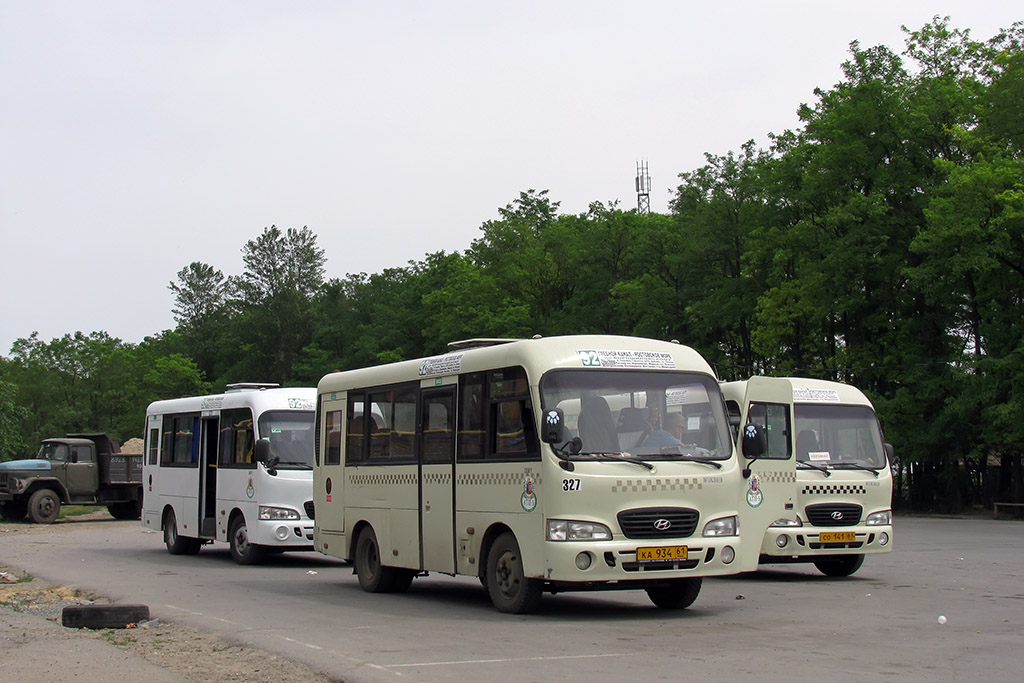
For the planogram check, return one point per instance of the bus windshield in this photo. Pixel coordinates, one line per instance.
(291, 437)
(653, 415)
(838, 436)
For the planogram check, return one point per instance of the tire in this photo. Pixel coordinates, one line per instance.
(130, 509)
(14, 510)
(678, 594)
(841, 565)
(178, 545)
(44, 506)
(510, 590)
(244, 552)
(373, 576)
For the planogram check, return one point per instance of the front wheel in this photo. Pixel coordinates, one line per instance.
(178, 545)
(841, 565)
(44, 506)
(678, 594)
(244, 551)
(510, 590)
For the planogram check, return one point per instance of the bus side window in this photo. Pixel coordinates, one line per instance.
(355, 437)
(510, 432)
(154, 445)
(237, 438)
(333, 454)
(472, 420)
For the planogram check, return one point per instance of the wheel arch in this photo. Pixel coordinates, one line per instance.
(493, 531)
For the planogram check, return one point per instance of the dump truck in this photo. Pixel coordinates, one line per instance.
(79, 469)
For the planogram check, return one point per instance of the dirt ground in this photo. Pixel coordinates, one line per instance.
(31, 632)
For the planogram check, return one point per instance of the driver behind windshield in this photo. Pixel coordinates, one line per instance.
(670, 434)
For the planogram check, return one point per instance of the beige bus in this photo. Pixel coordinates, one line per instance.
(575, 463)
(843, 489)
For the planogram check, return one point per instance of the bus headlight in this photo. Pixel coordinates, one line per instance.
(570, 530)
(883, 518)
(267, 512)
(783, 522)
(724, 526)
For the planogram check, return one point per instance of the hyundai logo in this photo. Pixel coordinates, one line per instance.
(662, 524)
(837, 515)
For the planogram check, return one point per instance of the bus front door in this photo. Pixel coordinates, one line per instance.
(437, 484)
(209, 433)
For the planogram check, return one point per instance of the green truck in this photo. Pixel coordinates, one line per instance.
(79, 469)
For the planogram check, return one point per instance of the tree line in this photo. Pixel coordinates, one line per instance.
(880, 243)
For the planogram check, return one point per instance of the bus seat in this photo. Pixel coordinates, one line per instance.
(633, 427)
(596, 427)
(806, 441)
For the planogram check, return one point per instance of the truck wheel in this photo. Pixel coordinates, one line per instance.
(510, 590)
(178, 545)
(678, 594)
(242, 550)
(44, 506)
(14, 510)
(842, 565)
(127, 510)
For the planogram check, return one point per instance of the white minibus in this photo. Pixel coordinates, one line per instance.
(203, 481)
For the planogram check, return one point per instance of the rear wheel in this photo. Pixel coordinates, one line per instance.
(841, 565)
(373, 576)
(130, 509)
(244, 551)
(678, 594)
(510, 590)
(44, 506)
(178, 545)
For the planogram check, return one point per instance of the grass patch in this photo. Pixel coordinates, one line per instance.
(75, 510)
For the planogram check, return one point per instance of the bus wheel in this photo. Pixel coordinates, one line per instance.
(374, 577)
(843, 565)
(242, 550)
(178, 545)
(678, 594)
(44, 506)
(510, 590)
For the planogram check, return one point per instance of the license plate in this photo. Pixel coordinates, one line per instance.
(661, 553)
(837, 537)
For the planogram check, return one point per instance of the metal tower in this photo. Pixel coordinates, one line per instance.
(643, 188)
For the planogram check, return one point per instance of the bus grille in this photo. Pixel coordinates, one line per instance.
(833, 514)
(310, 509)
(658, 522)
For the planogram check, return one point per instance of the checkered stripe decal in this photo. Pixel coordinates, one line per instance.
(777, 477)
(437, 478)
(667, 484)
(833, 489)
(383, 479)
(498, 479)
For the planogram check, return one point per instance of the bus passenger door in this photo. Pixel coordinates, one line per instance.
(437, 484)
(209, 436)
(769, 491)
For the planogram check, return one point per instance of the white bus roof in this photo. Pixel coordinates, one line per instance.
(291, 398)
(537, 355)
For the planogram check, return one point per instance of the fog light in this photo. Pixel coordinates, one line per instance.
(782, 541)
(282, 533)
(883, 538)
(583, 561)
(728, 554)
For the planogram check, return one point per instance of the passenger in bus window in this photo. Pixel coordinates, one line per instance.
(670, 434)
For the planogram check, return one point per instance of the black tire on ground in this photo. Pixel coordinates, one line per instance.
(44, 506)
(130, 509)
(103, 616)
(841, 565)
(510, 590)
(242, 549)
(373, 576)
(178, 545)
(14, 510)
(678, 594)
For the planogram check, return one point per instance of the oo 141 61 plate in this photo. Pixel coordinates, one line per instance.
(665, 553)
(837, 537)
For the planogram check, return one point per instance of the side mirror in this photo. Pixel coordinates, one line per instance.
(262, 454)
(553, 426)
(754, 443)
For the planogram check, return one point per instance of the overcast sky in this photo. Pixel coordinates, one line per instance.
(137, 137)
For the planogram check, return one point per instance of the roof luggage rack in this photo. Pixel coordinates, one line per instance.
(478, 343)
(251, 386)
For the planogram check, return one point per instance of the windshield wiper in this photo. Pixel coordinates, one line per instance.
(678, 449)
(808, 466)
(856, 466)
(622, 457)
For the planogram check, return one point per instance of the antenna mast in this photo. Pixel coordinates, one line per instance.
(643, 188)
